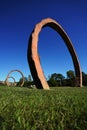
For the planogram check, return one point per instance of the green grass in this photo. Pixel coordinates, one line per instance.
(62, 108)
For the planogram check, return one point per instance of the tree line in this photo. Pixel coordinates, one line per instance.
(57, 79)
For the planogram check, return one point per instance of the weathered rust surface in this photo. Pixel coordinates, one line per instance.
(33, 57)
(8, 76)
(9, 83)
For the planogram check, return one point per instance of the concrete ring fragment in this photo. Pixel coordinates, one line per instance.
(8, 83)
(6, 80)
(33, 57)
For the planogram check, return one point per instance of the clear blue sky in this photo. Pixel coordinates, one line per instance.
(17, 20)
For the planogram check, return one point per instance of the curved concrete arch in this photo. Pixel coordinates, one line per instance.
(7, 82)
(14, 71)
(33, 57)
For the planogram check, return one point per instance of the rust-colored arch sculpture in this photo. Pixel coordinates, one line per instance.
(33, 57)
(6, 80)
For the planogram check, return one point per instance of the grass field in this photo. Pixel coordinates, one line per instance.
(61, 108)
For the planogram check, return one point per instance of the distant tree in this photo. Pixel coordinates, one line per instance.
(60, 77)
(70, 78)
(52, 82)
(70, 74)
(55, 79)
(29, 78)
(27, 81)
(84, 79)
